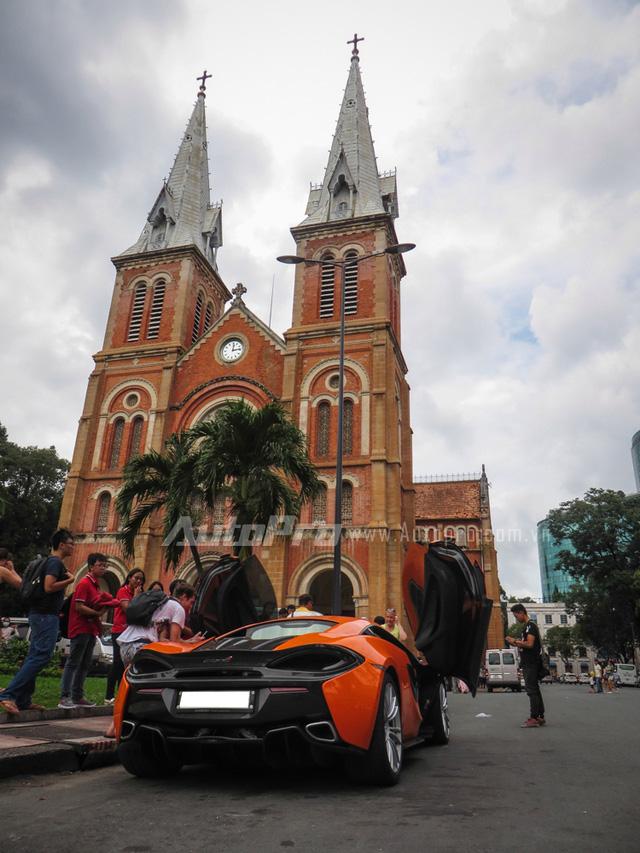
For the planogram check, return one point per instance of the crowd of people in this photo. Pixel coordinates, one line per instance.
(80, 618)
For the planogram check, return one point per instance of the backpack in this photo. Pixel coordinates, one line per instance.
(141, 608)
(543, 669)
(32, 586)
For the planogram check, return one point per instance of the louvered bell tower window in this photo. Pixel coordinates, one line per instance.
(347, 502)
(116, 443)
(347, 428)
(208, 317)
(137, 311)
(319, 511)
(153, 329)
(196, 320)
(350, 273)
(327, 289)
(104, 502)
(322, 429)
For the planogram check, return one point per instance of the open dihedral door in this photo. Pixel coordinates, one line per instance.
(447, 609)
(232, 593)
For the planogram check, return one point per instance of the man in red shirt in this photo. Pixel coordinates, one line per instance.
(87, 604)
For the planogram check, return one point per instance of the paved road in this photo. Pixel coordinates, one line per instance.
(569, 787)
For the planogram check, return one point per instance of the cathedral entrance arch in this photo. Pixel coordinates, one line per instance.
(321, 590)
(314, 577)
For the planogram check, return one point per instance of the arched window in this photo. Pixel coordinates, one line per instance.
(102, 518)
(347, 427)
(327, 288)
(350, 284)
(322, 429)
(137, 310)
(208, 316)
(461, 537)
(197, 317)
(449, 533)
(155, 315)
(136, 437)
(347, 503)
(319, 510)
(116, 443)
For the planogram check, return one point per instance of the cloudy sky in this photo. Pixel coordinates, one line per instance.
(514, 127)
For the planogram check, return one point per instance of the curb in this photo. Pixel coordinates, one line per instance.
(56, 714)
(89, 754)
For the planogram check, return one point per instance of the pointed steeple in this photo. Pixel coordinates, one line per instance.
(182, 214)
(352, 186)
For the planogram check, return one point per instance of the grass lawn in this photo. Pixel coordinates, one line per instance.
(48, 690)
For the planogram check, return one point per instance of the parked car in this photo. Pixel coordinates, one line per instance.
(569, 678)
(583, 678)
(325, 689)
(503, 671)
(14, 628)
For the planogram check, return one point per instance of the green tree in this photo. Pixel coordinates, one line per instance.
(604, 530)
(561, 638)
(255, 458)
(258, 460)
(32, 483)
(514, 631)
(161, 486)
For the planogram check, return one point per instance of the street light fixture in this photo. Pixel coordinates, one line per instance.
(395, 249)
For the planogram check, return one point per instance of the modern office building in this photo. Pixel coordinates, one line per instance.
(554, 581)
(635, 455)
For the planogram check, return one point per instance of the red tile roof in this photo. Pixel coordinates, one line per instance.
(447, 500)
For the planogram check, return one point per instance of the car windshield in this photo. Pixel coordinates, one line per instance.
(283, 629)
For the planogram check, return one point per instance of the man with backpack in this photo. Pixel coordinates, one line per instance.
(153, 616)
(43, 586)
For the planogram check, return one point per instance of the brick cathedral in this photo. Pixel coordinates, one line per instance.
(173, 353)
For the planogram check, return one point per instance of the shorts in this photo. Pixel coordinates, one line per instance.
(128, 650)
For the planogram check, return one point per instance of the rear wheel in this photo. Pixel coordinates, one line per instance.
(140, 760)
(438, 717)
(382, 763)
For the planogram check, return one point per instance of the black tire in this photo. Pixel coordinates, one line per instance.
(141, 762)
(438, 717)
(489, 689)
(382, 763)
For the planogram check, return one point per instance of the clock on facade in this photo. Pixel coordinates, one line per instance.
(232, 349)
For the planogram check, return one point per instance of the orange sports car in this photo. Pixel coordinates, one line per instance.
(325, 689)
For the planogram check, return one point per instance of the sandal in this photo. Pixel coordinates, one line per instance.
(9, 707)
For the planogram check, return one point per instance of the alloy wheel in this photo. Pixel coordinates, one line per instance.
(392, 727)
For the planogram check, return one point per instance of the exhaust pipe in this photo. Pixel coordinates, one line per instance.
(323, 732)
(127, 729)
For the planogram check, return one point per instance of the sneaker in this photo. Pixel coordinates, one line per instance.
(85, 703)
(67, 703)
(541, 721)
(531, 723)
(109, 701)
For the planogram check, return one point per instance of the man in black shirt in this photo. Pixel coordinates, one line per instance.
(530, 648)
(44, 622)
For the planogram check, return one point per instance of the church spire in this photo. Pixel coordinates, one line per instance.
(351, 185)
(182, 214)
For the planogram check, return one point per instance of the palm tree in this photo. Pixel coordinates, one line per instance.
(257, 458)
(162, 482)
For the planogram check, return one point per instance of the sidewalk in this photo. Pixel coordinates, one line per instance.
(55, 740)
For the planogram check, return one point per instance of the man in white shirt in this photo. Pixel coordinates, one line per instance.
(305, 607)
(167, 623)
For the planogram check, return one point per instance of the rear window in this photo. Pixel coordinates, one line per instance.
(494, 659)
(284, 629)
(508, 658)
(626, 667)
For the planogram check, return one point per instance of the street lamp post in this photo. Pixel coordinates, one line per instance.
(396, 249)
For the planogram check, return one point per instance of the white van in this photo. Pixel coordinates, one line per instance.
(627, 674)
(502, 670)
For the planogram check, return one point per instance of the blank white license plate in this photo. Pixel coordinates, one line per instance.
(215, 700)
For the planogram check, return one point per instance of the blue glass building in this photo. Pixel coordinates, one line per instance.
(635, 455)
(553, 579)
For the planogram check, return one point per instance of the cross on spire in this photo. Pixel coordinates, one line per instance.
(238, 291)
(354, 41)
(204, 78)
